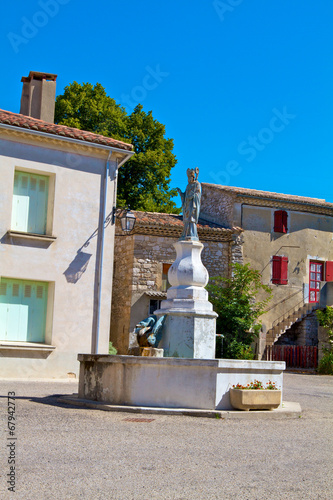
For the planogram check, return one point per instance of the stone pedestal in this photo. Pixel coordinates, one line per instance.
(190, 323)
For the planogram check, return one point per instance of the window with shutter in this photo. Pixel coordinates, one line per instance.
(280, 270)
(30, 200)
(280, 221)
(23, 306)
(329, 271)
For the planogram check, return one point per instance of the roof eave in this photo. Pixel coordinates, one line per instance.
(71, 140)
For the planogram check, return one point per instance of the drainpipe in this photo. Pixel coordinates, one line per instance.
(101, 255)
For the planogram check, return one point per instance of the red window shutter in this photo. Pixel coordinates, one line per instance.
(280, 270)
(284, 221)
(284, 270)
(329, 271)
(280, 221)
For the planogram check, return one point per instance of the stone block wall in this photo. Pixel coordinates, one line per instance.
(217, 205)
(122, 292)
(304, 332)
(323, 341)
(215, 257)
(150, 252)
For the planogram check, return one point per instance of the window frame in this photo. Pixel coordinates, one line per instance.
(152, 309)
(48, 319)
(48, 234)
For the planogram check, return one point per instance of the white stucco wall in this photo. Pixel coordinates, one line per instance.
(69, 262)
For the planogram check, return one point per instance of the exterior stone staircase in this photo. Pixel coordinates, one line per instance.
(285, 321)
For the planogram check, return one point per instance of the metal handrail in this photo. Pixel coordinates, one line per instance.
(293, 310)
(283, 300)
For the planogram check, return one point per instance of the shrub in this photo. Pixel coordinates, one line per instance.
(326, 363)
(235, 301)
(239, 350)
(112, 350)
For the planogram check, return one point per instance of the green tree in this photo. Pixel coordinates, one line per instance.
(144, 180)
(235, 301)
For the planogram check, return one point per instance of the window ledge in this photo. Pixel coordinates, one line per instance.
(25, 346)
(31, 236)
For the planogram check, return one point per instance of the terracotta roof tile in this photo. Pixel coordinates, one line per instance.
(26, 122)
(176, 221)
(267, 194)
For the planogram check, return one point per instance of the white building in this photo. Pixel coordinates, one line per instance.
(58, 185)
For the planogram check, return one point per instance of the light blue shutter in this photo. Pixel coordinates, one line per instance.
(3, 309)
(37, 312)
(38, 204)
(20, 202)
(30, 203)
(23, 310)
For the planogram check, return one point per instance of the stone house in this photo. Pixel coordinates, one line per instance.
(142, 260)
(289, 239)
(57, 189)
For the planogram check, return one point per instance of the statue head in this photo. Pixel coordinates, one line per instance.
(192, 174)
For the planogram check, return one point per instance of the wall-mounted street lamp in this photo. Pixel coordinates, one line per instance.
(127, 219)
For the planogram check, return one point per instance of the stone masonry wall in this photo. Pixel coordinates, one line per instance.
(323, 341)
(237, 249)
(151, 252)
(121, 292)
(304, 332)
(215, 257)
(217, 205)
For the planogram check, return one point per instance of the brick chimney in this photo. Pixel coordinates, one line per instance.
(38, 96)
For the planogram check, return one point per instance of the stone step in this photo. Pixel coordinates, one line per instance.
(274, 333)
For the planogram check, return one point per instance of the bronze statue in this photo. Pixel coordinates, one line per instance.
(191, 205)
(149, 331)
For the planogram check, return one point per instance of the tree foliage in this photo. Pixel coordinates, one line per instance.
(144, 180)
(235, 301)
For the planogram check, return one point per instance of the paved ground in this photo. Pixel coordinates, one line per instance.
(65, 452)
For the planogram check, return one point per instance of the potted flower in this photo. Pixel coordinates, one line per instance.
(255, 396)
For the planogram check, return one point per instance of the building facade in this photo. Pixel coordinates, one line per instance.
(57, 197)
(289, 239)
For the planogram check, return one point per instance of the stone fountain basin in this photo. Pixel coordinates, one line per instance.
(170, 382)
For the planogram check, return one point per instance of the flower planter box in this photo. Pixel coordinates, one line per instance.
(243, 399)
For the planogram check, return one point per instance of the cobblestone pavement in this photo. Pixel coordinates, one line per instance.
(66, 452)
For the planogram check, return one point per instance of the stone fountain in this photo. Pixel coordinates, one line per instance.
(188, 376)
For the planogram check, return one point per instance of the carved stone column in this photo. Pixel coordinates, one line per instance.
(190, 323)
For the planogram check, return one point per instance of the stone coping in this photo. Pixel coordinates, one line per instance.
(228, 364)
(287, 410)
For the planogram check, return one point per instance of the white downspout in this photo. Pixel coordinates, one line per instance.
(101, 255)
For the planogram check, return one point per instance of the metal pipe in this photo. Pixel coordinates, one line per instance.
(101, 255)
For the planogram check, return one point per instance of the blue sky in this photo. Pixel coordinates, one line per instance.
(244, 87)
